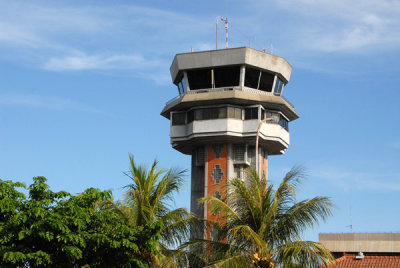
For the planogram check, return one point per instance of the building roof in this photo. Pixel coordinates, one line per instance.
(230, 56)
(364, 242)
(350, 261)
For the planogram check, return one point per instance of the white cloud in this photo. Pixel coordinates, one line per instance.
(59, 37)
(93, 62)
(346, 25)
(46, 102)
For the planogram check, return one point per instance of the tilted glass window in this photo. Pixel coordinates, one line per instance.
(284, 123)
(278, 86)
(227, 76)
(251, 77)
(199, 79)
(266, 82)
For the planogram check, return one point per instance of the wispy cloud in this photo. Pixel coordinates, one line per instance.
(46, 102)
(93, 62)
(347, 25)
(59, 37)
(359, 181)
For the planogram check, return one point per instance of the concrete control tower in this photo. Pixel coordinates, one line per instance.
(223, 96)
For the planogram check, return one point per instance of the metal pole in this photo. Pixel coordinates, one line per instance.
(216, 34)
(226, 29)
(258, 134)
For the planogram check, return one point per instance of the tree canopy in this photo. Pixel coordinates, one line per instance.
(57, 229)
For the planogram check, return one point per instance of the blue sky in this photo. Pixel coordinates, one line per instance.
(82, 84)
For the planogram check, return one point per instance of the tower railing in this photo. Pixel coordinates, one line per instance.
(245, 89)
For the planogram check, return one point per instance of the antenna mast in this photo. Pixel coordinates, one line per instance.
(216, 31)
(226, 29)
(351, 221)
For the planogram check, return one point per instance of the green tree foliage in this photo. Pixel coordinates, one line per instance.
(57, 229)
(263, 226)
(147, 199)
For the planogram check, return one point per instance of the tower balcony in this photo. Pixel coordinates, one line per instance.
(274, 136)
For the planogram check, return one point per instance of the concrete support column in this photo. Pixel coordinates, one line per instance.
(242, 75)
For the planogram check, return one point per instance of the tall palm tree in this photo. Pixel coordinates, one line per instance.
(146, 200)
(263, 227)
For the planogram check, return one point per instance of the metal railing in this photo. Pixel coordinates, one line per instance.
(245, 89)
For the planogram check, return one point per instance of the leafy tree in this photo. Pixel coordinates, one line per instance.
(146, 200)
(263, 226)
(56, 229)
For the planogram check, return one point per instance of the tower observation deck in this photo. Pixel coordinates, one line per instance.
(223, 96)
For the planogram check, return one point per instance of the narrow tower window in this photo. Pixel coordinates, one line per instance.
(251, 77)
(266, 81)
(278, 86)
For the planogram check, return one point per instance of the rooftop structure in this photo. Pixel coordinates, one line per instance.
(378, 250)
(224, 95)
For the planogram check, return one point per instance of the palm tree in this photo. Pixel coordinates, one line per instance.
(146, 201)
(263, 227)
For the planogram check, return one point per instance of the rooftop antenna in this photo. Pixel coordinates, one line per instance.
(270, 49)
(351, 221)
(216, 34)
(216, 30)
(226, 30)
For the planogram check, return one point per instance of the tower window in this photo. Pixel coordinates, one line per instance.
(227, 76)
(284, 123)
(178, 119)
(235, 113)
(251, 77)
(278, 86)
(266, 81)
(250, 113)
(199, 79)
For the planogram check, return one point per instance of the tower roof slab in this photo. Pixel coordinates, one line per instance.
(230, 56)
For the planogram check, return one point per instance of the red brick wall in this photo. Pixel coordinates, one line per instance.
(216, 177)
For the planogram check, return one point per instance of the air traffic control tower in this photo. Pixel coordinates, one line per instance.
(223, 96)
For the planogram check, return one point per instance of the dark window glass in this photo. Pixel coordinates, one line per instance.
(190, 116)
(178, 119)
(210, 113)
(284, 123)
(198, 114)
(266, 81)
(278, 86)
(199, 79)
(227, 76)
(250, 113)
(262, 114)
(207, 114)
(251, 77)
